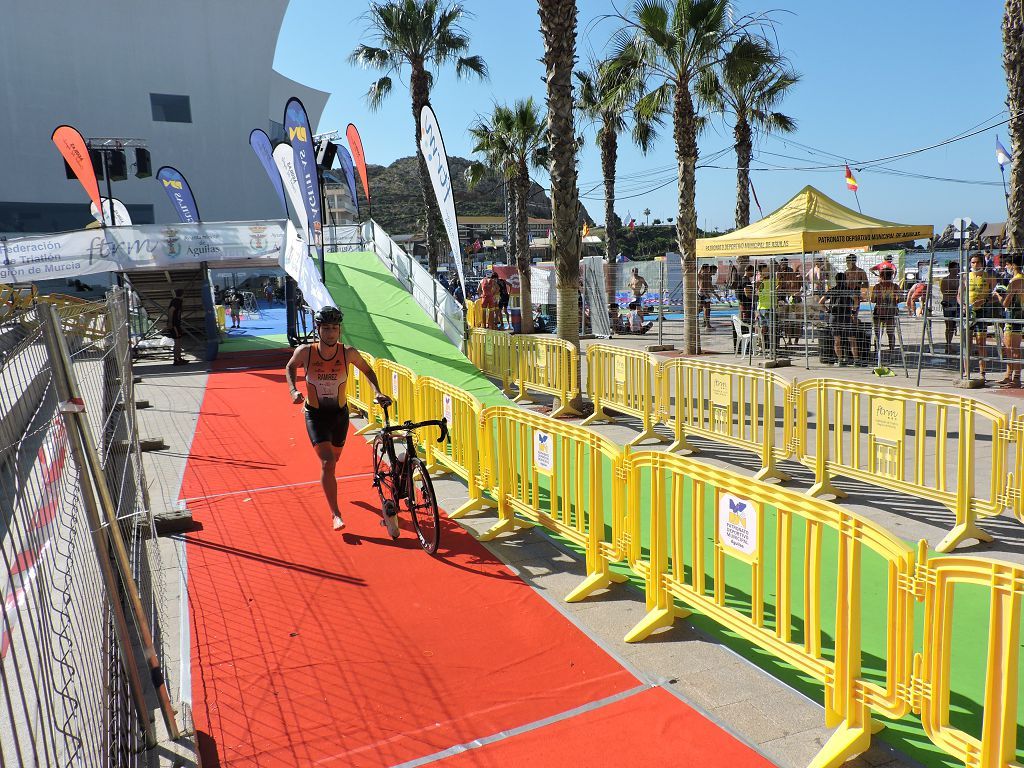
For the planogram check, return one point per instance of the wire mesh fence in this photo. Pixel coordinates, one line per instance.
(64, 670)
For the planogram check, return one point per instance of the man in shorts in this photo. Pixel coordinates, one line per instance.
(326, 364)
(638, 286)
(977, 294)
(504, 316)
(949, 288)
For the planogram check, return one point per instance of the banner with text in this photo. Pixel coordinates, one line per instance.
(432, 147)
(92, 251)
(75, 152)
(121, 217)
(180, 193)
(300, 136)
(284, 159)
(346, 163)
(355, 143)
(303, 270)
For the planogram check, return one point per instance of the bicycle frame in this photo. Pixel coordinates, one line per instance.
(401, 476)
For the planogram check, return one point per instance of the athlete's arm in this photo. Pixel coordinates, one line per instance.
(290, 370)
(352, 356)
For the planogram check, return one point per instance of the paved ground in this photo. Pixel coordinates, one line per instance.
(786, 726)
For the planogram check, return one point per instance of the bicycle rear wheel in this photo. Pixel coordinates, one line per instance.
(422, 505)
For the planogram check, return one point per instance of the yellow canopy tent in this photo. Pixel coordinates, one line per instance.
(810, 221)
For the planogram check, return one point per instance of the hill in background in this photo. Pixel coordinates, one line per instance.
(398, 203)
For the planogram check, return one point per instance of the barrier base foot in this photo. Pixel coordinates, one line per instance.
(826, 488)
(564, 409)
(681, 445)
(522, 397)
(592, 584)
(772, 473)
(647, 434)
(470, 506)
(596, 416)
(962, 532)
(846, 742)
(659, 618)
(504, 526)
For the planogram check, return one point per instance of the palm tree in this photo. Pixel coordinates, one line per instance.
(667, 45)
(422, 35)
(1013, 63)
(512, 140)
(752, 80)
(558, 28)
(647, 216)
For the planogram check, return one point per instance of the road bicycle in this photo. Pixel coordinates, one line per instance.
(403, 478)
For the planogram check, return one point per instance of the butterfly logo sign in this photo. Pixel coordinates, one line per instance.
(738, 523)
(543, 453)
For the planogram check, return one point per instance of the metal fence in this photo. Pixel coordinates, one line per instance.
(74, 525)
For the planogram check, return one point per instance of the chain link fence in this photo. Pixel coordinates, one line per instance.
(69, 681)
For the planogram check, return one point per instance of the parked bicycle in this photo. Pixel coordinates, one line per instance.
(404, 479)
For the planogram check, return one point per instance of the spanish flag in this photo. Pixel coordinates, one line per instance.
(586, 229)
(851, 182)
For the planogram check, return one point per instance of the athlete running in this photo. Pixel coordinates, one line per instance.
(326, 363)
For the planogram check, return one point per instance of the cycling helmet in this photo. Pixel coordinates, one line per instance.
(328, 315)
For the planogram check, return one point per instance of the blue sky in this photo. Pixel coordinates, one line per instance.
(879, 78)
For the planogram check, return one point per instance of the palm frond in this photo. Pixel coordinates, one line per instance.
(472, 64)
(378, 92)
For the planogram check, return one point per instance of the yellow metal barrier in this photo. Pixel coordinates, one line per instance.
(679, 565)
(492, 353)
(359, 394)
(561, 476)
(551, 366)
(911, 440)
(399, 383)
(461, 455)
(1013, 498)
(78, 317)
(995, 746)
(622, 380)
(729, 404)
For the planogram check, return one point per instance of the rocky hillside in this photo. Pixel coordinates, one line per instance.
(398, 204)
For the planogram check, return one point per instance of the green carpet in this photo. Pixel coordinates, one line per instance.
(383, 319)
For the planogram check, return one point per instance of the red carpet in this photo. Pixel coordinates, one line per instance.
(314, 647)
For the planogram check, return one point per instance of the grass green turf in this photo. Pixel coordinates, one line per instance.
(383, 319)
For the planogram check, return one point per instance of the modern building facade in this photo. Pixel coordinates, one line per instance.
(191, 79)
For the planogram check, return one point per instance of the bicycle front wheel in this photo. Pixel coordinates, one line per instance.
(383, 479)
(422, 505)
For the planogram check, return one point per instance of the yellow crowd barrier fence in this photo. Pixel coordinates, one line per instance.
(622, 380)
(1015, 485)
(78, 317)
(360, 394)
(731, 404)
(926, 444)
(551, 366)
(461, 454)
(567, 478)
(492, 353)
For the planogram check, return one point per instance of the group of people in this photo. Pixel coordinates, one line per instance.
(494, 298)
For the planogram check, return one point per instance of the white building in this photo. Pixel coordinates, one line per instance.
(190, 78)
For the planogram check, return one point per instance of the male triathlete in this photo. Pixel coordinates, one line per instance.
(326, 363)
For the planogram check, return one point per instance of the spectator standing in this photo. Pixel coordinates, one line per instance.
(177, 332)
(977, 289)
(639, 287)
(841, 306)
(886, 297)
(235, 302)
(1013, 303)
(856, 278)
(949, 290)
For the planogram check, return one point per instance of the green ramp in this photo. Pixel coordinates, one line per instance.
(383, 319)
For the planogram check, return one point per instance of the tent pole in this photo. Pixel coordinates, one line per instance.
(927, 308)
(803, 287)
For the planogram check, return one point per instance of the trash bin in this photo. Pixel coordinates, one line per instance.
(517, 319)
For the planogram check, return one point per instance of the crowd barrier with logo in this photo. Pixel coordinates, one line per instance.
(622, 380)
(731, 404)
(360, 394)
(493, 353)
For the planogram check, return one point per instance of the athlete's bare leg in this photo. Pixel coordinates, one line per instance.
(329, 455)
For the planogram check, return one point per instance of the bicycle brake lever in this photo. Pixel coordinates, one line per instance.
(444, 430)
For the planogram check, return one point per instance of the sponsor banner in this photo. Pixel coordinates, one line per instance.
(121, 217)
(543, 453)
(432, 147)
(180, 193)
(300, 136)
(284, 159)
(346, 163)
(75, 152)
(355, 143)
(888, 419)
(260, 143)
(92, 251)
(303, 270)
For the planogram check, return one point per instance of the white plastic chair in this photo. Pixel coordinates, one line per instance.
(743, 340)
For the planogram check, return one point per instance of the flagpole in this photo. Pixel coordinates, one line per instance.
(857, 198)
(1006, 194)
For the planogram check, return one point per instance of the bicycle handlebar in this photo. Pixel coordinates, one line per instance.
(441, 423)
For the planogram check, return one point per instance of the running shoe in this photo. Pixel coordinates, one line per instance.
(390, 521)
(338, 523)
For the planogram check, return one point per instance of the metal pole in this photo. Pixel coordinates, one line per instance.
(754, 320)
(110, 193)
(75, 439)
(963, 290)
(434, 283)
(62, 362)
(803, 289)
(661, 304)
